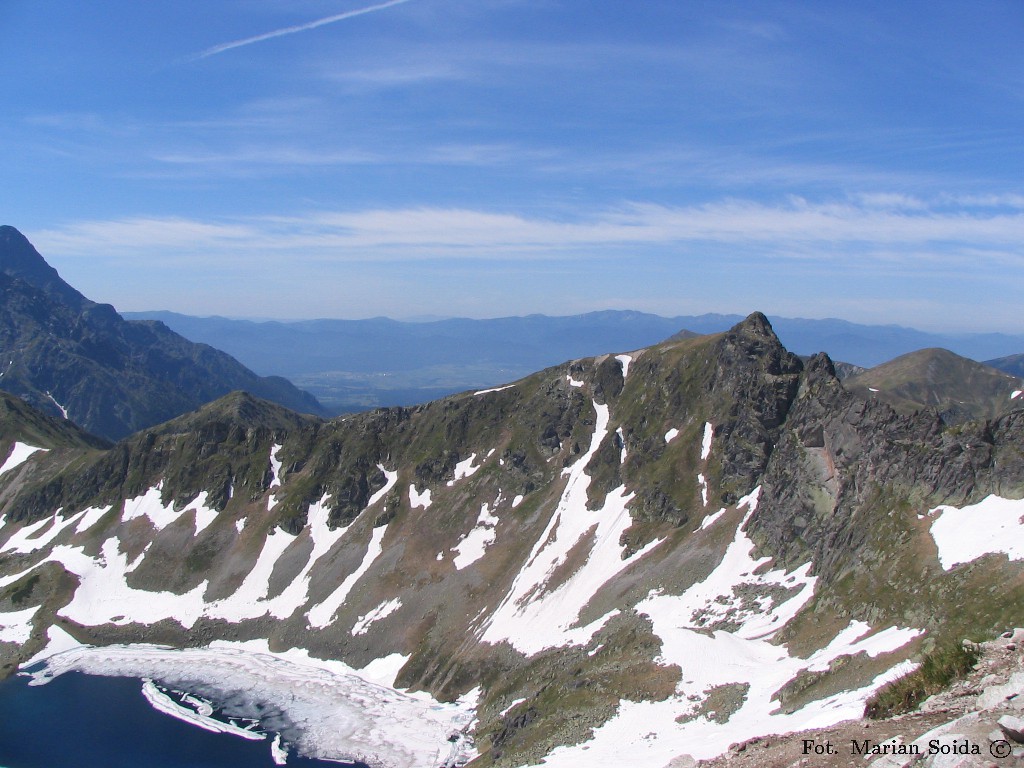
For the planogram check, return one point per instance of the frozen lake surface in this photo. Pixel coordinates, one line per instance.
(79, 720)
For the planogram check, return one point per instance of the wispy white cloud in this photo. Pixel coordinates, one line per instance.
(221, 48)
(884, 228)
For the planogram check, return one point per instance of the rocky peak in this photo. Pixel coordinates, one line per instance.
(20, 259)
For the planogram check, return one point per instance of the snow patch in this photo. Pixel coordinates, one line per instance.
(297, 592)
(275, 479)
(57, 641)
(385, 670)
(493, 389)
(35, 536)
(510, 707)
(104, 597)
(249, 600)
(705, 443)
(517, 500)
(1016, 393)
(379, 613)
(322, 614)
(160, 515)
(474, 544)
(717, 599)
(856, 638)
(572, 381)
(419, 499)
(703, 488)
(671, 435)
(18, 455)
(653, 733)
(535, 615)
(390, 479)
(61, 408)
(993, 525)
(464, 469)
(710, 520)
(16, 626)
(90, 517)
(622, 442)
(624, 361)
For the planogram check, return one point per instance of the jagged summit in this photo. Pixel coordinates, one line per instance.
(755, 324)
(20, 259)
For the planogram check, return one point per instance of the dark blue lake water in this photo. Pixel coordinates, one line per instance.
(88, 721)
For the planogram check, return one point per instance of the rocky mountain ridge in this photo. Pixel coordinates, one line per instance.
(69, 356)
(352, 365)
(571, 546)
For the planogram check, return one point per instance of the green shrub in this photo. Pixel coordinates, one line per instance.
(938, 669)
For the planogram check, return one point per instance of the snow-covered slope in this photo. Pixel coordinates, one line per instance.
(638, 556)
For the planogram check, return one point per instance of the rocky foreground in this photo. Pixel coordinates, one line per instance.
(976, 723)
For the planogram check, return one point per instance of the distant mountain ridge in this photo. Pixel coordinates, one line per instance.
(1012, 364)
(71, 357)
(960, 389)
(354, 364)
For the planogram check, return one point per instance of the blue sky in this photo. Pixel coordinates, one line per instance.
(345, 158)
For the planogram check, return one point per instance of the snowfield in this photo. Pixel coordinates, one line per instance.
(993, 525)
(19, 454)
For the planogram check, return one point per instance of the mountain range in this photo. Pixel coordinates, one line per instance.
(355, 364)
(71, 357)
(641, 557)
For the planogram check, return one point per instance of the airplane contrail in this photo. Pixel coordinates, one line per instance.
(298, 28)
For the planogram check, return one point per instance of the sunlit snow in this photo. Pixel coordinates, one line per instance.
(61, 408)
(474, 544)
(322, 614)
(993, 525)
(161, 702)
(705, 444)
(19, 453)
(533, 616)
(275, 479)
(624, 361)
(464, 469)
(160, 515)
(379, 613)
(650, 734)
(16, 626)
(493, 389)
(417, 499)
(710, 520)
(340, 713)
(390, 479)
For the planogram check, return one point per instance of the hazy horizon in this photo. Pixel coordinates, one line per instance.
(337, 158)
